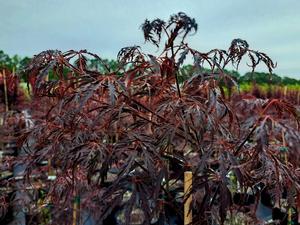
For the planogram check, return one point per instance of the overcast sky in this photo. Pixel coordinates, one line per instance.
(30, 26)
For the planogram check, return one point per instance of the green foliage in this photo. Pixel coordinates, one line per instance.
(13, 63)
(266, 79)
(103, 66)
(260, 78)
(4, 59)
(290, 81)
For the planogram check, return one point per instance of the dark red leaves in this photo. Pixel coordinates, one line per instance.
(125, 140)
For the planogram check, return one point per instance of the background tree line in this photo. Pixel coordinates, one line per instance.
(18, 63)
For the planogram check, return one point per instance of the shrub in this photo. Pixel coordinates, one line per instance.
(123, 142)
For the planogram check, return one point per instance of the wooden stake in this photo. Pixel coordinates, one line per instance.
(51, 172)
(289, 219)
(285, 91)
(284, 145)
(76, 204)
(76, 208)
(298, 206)
(5, 91)
(188, 180)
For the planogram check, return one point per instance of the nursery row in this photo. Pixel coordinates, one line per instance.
(113, 146)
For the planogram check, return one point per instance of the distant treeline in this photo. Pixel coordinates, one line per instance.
(18, 63)
(260, 78)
